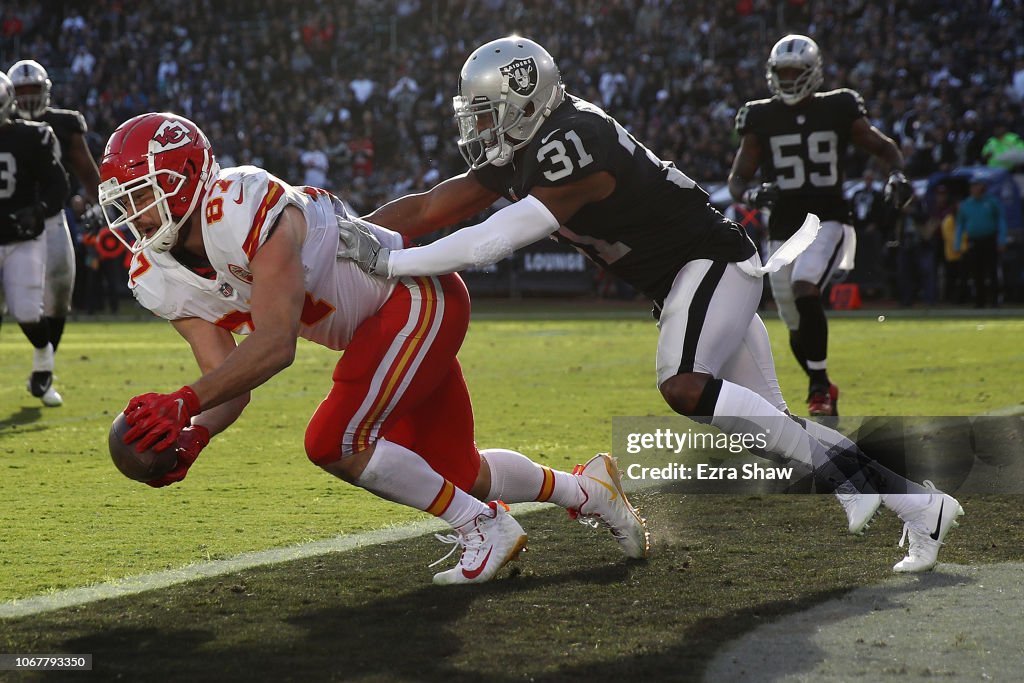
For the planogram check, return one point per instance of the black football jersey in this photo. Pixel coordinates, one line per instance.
(654, 222)
(30, 171)
(803, 151)
(65, 123)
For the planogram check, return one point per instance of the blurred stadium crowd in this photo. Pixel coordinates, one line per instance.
(355, 96)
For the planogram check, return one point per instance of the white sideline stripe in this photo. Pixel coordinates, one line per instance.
(146, 582)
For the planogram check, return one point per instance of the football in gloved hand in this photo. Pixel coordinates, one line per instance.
(145, 466)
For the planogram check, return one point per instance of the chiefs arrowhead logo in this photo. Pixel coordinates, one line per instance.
(170, 135)
(522, 76)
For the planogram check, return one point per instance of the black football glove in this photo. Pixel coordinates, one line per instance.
(27, 223)
(92, 219)
(762, 196)
(898, 191)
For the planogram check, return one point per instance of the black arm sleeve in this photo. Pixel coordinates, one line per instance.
(53, 181)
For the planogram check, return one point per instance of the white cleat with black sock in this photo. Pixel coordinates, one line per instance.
(40, 382)
(40, 385)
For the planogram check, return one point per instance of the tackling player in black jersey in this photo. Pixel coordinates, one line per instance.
(575, 174)
(32, 86)
(799, 139)
(32, 189)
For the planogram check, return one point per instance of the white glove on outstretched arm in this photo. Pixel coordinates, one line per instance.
(514, 226)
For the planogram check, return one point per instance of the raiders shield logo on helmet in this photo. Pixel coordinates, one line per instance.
(522, 76)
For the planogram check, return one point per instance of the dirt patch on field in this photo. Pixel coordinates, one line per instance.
(957, 623)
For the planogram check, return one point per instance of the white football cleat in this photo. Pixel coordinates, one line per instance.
(927, 528)
(488, 543)
(860, 509)
(40, 385)
(606, 504)
(52, 399)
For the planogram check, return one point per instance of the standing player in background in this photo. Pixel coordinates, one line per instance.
(32, 87)
(238, 250)
(799, 139)
(32, 188)
(980, 222)
(575, 174)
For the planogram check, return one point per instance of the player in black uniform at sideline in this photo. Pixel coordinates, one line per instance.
(32, 87)
(32, 188)
(799, 138)
(573, 173)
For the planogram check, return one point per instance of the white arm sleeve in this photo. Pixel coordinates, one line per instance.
(515, 226)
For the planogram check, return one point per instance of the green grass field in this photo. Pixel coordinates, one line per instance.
(545, 387)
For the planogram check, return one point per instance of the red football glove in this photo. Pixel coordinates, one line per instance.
(157, 419)
(190, 442)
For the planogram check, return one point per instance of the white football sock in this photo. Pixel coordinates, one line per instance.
(827, 436)
(742, 411)
(397, 474)
(902, 503)
(830, 438)
(517, 479)
(42, 359)
(916, 496)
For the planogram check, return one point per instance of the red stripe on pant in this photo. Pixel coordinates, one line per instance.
(432, 415)
(401, 363)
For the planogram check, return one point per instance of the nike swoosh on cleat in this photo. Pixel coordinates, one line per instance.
(611, 489)
(472, 574)
(938, 525)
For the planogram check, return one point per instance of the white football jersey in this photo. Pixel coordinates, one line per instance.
(238, 214)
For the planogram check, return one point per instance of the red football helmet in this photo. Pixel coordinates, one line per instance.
(165, 154)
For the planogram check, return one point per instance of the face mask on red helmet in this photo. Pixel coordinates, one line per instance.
(158, 163)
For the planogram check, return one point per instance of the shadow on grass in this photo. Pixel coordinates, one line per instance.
(24, 416)
(419, 636)
(575, 611)
(415, 635)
